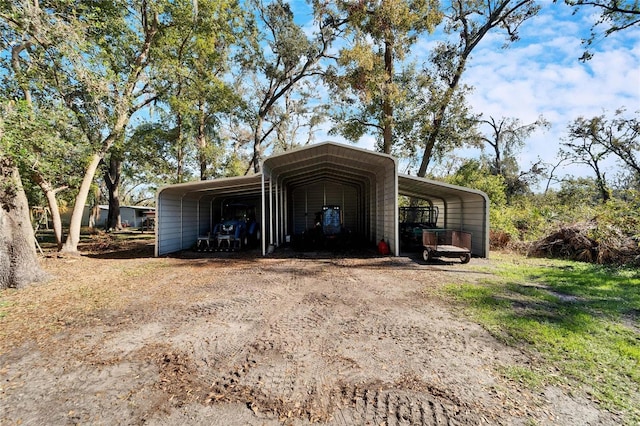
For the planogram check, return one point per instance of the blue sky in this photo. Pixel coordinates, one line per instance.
(541, 75)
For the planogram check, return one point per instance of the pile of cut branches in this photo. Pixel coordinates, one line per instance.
(100, 242)
(588, 242)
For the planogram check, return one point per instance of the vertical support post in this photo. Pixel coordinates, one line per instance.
(342, 209)
(446, 213)
(277, 216)
(271, 210)
(181, 223)
(157, 225)
(263, 218)
(396, 223)
(306, 209)
(211, 215)
(285, 209)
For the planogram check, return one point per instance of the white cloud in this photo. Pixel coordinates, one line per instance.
(542, 75)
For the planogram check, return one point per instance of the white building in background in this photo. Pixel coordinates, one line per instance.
(131, 216)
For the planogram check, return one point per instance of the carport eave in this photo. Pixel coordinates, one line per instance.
(325, 149)
(242, 183)
(448, 188)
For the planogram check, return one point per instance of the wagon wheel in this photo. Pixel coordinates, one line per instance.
(427, 255)
(465, 258)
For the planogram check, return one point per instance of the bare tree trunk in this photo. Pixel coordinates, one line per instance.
(439, 118)
(55, 216)
(387, 107)
(18, 258)
(94, 216)
(180, 153)
(497, 163)
(201, 141)
(257, 146)
(73, 239)
(50, 195)
(601, 183)
(56, 220)
(112, 180)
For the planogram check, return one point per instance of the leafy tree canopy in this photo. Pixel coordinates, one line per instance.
(614, 16)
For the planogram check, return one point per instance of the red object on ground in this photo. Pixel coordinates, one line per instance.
(383, 248)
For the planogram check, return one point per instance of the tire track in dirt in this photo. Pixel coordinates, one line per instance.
(289, 374)
(385, 407)
(267, 368)
(408, 401)
(286, 378)
(274, 342)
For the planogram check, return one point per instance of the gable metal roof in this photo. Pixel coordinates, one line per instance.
(326, 160)
(411, 186)
(329, 160)
(223, 186)
(418, 187)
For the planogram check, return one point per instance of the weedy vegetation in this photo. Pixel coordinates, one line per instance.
(580, 321)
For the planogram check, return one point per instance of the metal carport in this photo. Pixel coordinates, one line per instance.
(186, 210)
(330, 173)
(296, 183)
(460, 208)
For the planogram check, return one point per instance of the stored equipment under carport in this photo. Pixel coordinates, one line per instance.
(237, 229)
(331, 221)
(413, 220)
(446, 243)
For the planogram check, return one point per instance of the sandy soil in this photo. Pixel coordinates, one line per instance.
(124, 338)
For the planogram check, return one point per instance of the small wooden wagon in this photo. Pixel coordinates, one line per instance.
(446, 243)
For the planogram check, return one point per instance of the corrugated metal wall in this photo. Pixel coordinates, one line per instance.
(180, 224)
(468, 215)
(190, 222)
(182, 219)
(465, 215)
(385, 206)
(169, 214)
(306, 201)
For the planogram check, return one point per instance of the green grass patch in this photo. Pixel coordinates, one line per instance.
(132, 235)
(524, 375)
(582, 319)
(47, 239)
(4, 305)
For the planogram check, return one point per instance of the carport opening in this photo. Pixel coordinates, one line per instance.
(413, 221)
(326, 215)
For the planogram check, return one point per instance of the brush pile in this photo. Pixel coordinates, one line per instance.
(100, 242)
(588, 242)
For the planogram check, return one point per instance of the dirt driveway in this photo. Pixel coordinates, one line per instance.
(259, 341)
